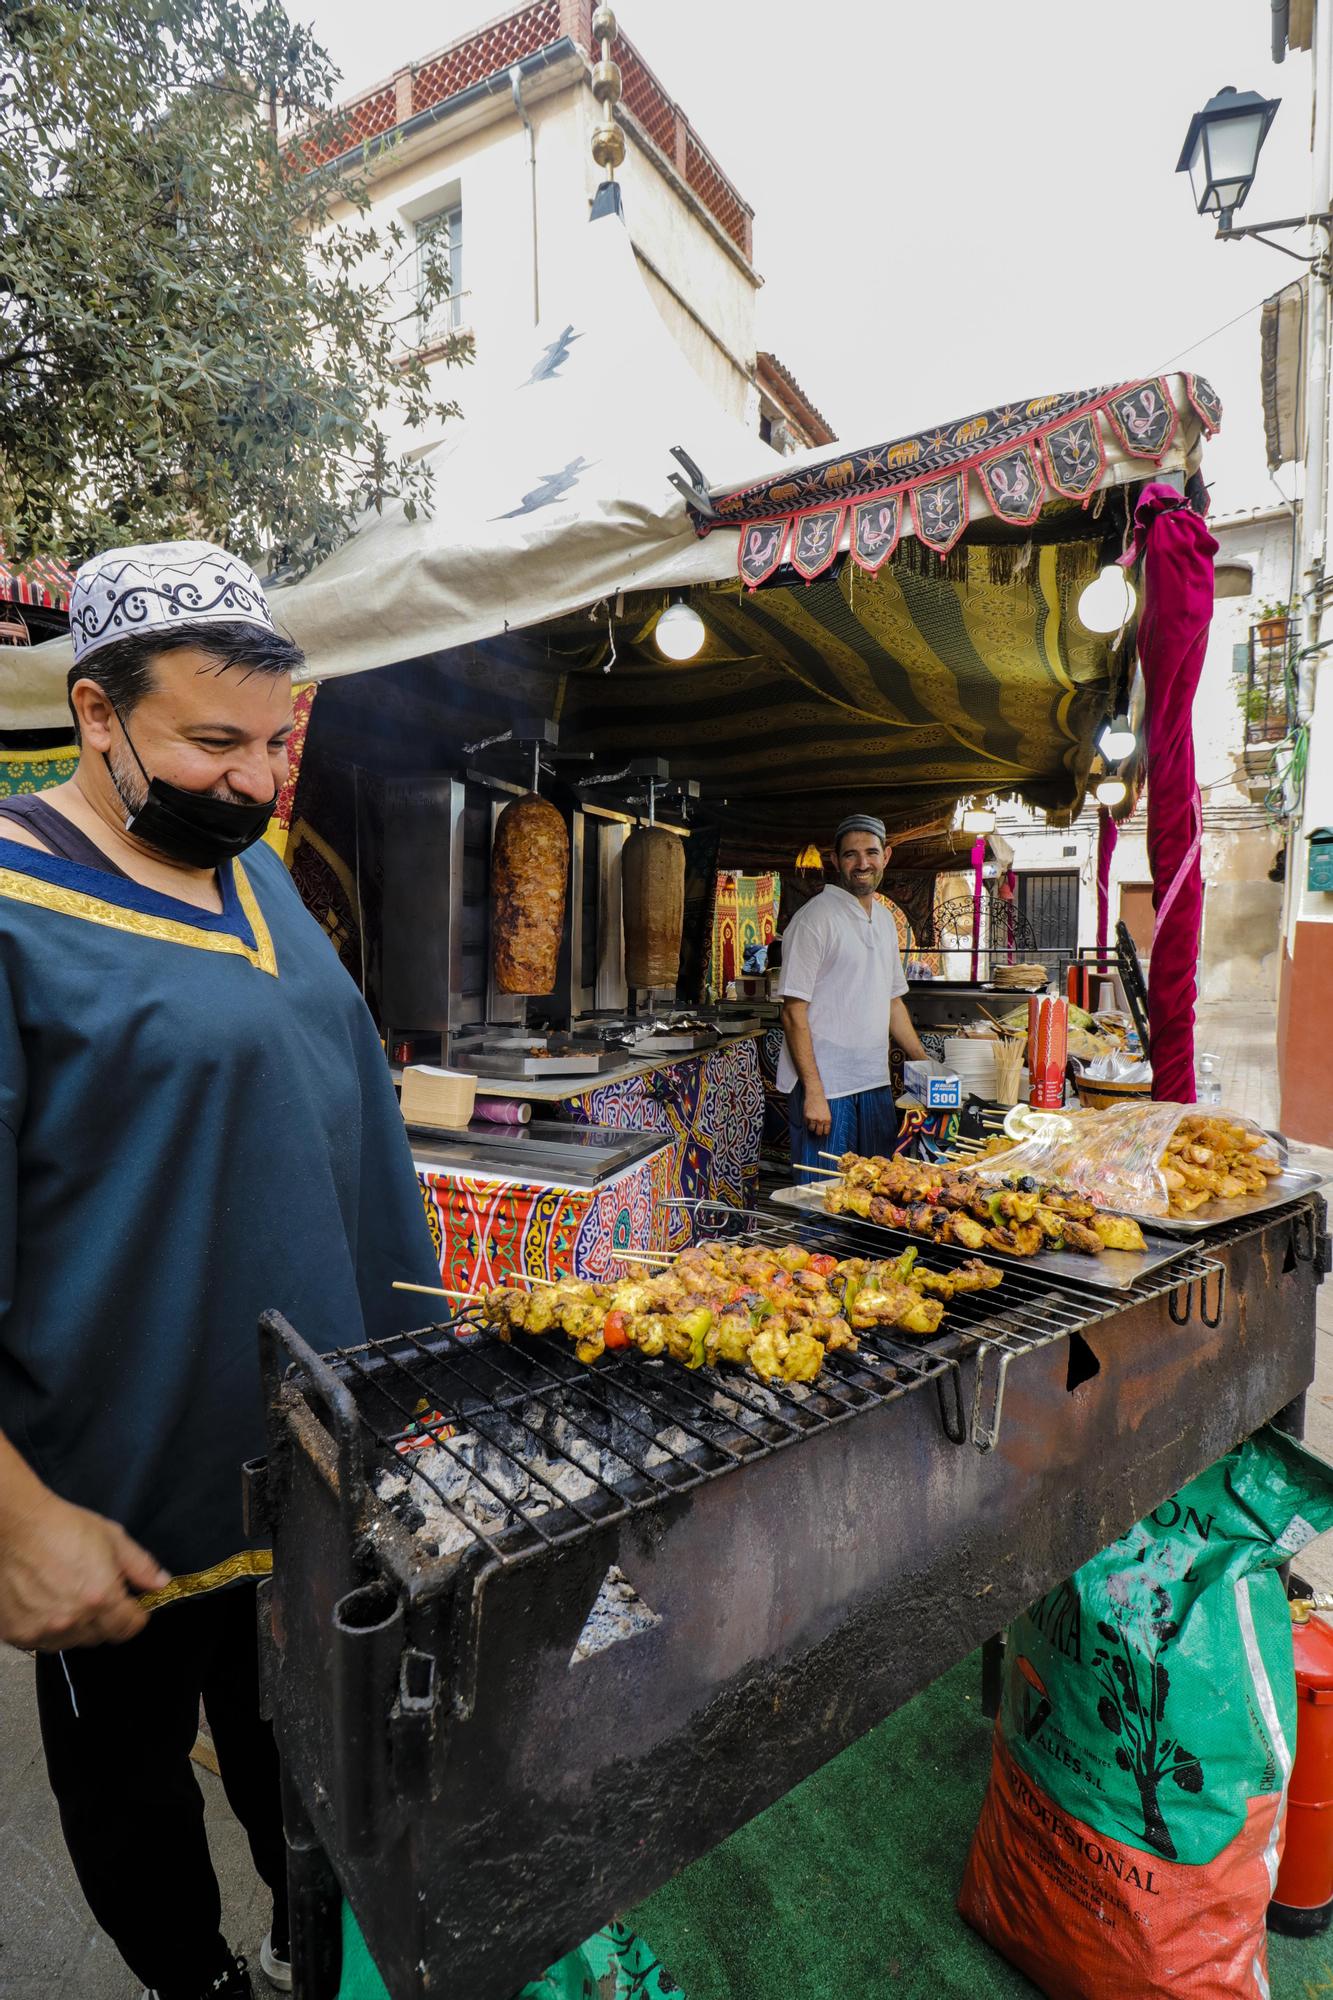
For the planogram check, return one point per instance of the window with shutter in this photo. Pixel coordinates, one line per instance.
(439, 247)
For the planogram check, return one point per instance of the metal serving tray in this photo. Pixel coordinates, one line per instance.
(580, 1156)
(687, 1042)
(514, 1063)
(1290, 1185)
(1113, 1271)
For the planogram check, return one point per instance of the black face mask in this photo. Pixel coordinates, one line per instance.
(191, 827)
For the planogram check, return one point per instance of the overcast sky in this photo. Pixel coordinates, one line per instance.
(959, 202)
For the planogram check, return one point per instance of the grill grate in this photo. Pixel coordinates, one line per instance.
(547, 1449)
(630, 1431)
(1030, 1309)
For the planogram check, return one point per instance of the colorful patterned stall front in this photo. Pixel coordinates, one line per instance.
(487, 1231)
(709, 1110)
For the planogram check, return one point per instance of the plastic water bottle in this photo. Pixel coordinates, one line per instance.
(1207, 1083)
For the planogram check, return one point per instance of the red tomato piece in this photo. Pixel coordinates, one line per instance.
(615, 1330)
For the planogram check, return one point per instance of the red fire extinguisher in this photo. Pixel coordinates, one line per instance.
(1303, 1900)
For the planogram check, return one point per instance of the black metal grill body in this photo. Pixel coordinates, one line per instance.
(485, 1804)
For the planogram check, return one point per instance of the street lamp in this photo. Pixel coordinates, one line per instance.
(1221, 150)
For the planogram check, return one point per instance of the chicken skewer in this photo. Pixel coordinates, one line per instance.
(779, 1312)
(1018, 1216)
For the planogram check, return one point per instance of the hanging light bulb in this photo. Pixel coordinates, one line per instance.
(1108, 602)
(679, 631)
(1118, 740)
(978, 819)
(1110, 791)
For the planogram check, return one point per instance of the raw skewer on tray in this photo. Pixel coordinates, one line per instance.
(1018, 1216)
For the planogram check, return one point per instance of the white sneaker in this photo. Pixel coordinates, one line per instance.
(277, 1971)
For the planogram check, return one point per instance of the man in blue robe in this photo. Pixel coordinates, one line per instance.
(196, 1123)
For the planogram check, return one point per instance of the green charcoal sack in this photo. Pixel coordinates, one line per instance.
(1130, 1835)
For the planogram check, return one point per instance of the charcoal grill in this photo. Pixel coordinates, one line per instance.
(487, 1775)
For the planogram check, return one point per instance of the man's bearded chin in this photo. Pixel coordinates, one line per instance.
(129, 780)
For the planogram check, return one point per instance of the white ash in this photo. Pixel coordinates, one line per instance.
(505, 1476)
(449, 1472)
(618, 1612)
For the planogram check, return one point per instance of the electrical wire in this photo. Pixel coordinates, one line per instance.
(1205, 338)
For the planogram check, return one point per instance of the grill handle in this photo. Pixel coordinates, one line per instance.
(281, 1350)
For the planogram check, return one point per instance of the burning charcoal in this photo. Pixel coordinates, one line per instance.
(673, 1442)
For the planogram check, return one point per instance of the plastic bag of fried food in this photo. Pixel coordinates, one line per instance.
(1150, 1159)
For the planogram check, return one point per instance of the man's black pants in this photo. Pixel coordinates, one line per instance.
(118, 1724)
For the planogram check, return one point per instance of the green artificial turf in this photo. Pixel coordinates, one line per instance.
(846, 1886)
(844, 1890)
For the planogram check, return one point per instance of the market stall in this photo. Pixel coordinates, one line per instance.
(893, 629)
(740, 1516)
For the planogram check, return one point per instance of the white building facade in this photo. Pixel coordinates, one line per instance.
(480, 154)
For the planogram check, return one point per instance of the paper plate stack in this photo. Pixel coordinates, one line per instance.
(1019, 978)
(972, 1060)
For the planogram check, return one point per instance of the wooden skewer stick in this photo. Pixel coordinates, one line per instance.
(432, 1291)
(832, 1173)
(829, 1156)
(658, 1257)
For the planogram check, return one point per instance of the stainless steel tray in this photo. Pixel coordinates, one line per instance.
(684, 1044)
(506, 1063)
(1290, 1185)
(576, 1156)
(1113, 1271)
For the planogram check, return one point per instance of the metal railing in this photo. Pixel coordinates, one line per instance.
(1268, 699)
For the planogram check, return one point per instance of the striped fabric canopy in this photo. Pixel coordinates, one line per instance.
(45, 582)
(898, 693)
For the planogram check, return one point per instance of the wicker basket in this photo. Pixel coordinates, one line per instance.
(1096, 1095)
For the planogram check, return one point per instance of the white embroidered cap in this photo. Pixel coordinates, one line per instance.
(157, 587)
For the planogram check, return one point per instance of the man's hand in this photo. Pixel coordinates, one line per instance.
(904, 1034)
(69, 1577)
(818, 1116)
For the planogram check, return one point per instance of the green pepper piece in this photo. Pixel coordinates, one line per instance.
(696, 1324)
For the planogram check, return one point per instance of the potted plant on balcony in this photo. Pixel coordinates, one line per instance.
(1272, 624)
(1264, 710)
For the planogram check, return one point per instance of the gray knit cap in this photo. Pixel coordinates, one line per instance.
(859, 823)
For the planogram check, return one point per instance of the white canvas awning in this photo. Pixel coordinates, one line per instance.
(553, 493)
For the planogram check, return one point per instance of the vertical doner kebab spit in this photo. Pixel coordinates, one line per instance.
(652, 873)
(529, 875)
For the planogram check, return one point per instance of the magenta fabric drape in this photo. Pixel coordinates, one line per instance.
(978, 863)
(1108, 833)
(1176, 551)
(1009, 897)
